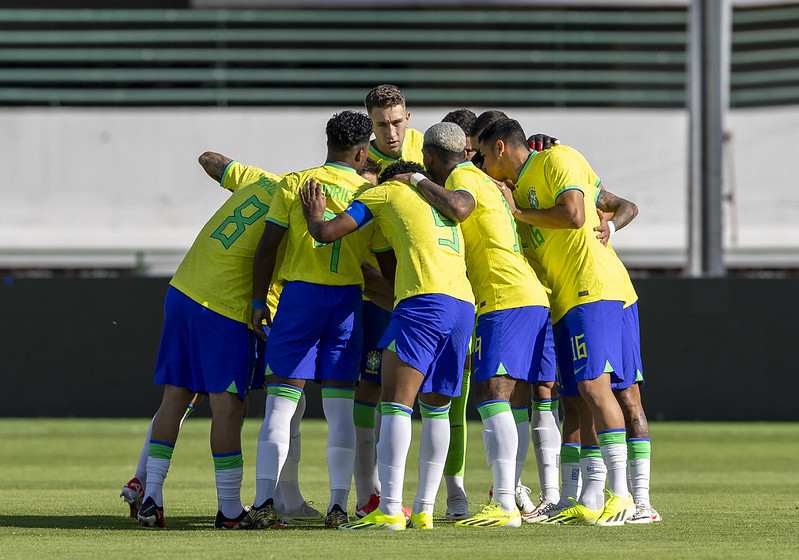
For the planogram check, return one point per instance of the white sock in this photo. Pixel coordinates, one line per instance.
(455, 488)
(520, 416)
(157, 470)
(378, 419)
(273, 440)
(615, 458)
(639, 473)
(365, 471)
(392, 454)
(288, 494)
(141, 467)
(500, 440)
(340, 443)
(432, 455)
(592, 471)
(546, 444)
(228, 491)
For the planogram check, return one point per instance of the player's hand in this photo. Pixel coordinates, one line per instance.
(540, 142)
(603, 231)
(507, 189)
(313, 201)
(403, 178)
(259, 317)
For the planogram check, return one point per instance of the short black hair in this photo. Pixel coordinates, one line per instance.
(464, 118)
(507, 130)
(485, 119)
(348, 129)
(400, 167)
(370, 166)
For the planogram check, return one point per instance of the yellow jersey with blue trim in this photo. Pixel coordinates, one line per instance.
(429, 248)
(575, 265)
(217, 270)
(411, 150)
(500, 276)
(306, 260)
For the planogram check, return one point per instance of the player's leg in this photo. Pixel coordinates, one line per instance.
(133, 491)
(227, 410)
(520, 408)
(545, 423)
(454, 466)
(367, 491)
(433, 449)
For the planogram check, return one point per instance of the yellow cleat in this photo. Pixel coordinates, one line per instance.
(493, 515)
(617, 510)
(421, 520)
(377, 520)
(575, 515)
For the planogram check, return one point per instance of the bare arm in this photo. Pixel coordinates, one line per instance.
(263, 267)
(214, 164)
(455, 205)
(568, 212)
(313, 208)
(623, 211)
(376, 287)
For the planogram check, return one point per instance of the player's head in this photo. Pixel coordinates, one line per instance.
(370, 171)
(444, 148)
(465, 119)
(398, 168)
(385, 105)
(502, 144)
(482, 121)
(348, 134)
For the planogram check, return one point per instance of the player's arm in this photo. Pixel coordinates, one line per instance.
(376, 287)
(214, 164)
(263, 268)
(568, 212)
(615, 213)
(313, 208)
(455, 205)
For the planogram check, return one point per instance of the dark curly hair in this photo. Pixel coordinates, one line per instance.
(399, 167)
(370, 166)
(464, 118)
(348, 129)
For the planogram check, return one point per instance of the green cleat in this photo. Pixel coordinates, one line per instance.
(493, 515)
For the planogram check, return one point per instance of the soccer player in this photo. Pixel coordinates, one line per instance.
(512, 305)
(208, 347)
(316, 330)
(424, 346)
(465, 119)
(587, 297)
(394, 141)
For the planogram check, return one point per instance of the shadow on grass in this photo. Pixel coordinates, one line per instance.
(116, 523)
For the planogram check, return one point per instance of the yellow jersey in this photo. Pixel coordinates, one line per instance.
(429, 248)
(329, 264)
(499, 274)
(575, 265)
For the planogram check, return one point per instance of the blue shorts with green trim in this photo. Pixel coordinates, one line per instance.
(375, 321)
(510, 342)
(203, 351)
(548, 366)
(588, 344)
(316, 333)
(632, 366)
(431, 332)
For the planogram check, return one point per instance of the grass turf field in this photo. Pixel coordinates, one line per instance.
(724, 490)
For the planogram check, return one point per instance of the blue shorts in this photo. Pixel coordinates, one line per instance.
(431, 332)
(632, 367)
(548, 368)
(375, 321)
(588, 343)
(203, 351)
(510, 342)
(316, 333)
(259, 373)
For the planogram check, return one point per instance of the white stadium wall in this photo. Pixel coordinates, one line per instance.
(101, 185)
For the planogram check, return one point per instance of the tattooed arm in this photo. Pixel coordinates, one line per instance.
(214, 164)
(613, 209)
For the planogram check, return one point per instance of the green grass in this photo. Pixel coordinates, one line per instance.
(724, 490)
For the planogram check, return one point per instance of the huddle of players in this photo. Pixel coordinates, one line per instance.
(426, 232)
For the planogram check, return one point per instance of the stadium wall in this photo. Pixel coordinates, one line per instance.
(713, 349)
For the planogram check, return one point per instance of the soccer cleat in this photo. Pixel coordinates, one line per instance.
(655, 515)
(335, 517)
(150, 515)
(457, 509)
(541, 512)
(493, 515)
(421, 520)
(378, 520)
(303, 515)
(369, 507)
(263, 517)
(523, 501)
(617, 510)
(642, 514)
(574, 515)
(133, 494)
(222, 522)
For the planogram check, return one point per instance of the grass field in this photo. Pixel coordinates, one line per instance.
(724, 490)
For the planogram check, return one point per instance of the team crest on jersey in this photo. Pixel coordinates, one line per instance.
(532, 198)
(373, 360)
